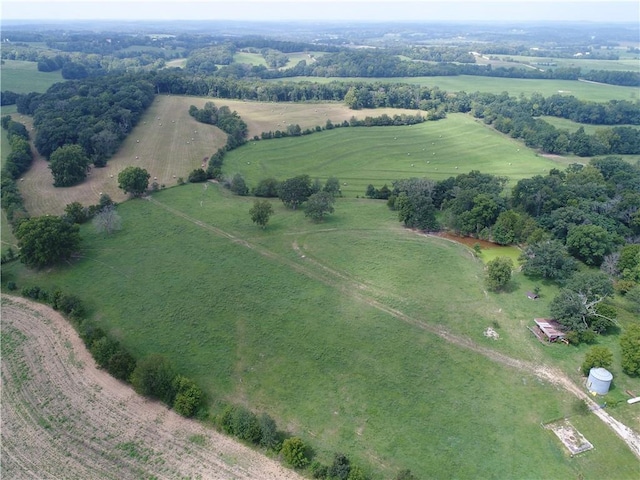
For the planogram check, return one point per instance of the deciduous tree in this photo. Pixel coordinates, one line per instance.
(107, 220)
(134, 180)
(319, 205)
(46, 240)
(295, 191)
(597, 357)
(261, 212)
(294, 452)
(548, 259)
(69, 165)
(630, 349)
(499, 273)
(589, 243)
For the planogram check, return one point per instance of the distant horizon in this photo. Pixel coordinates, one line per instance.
(323, 11)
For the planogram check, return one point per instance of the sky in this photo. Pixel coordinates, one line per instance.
(322, 10)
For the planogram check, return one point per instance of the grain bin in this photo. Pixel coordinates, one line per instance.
(599, 380)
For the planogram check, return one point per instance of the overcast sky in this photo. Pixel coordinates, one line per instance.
(349, 10)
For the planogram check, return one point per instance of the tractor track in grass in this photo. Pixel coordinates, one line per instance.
(365, 293)
(64, 418)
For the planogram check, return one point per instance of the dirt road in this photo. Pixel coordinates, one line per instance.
(64, 418)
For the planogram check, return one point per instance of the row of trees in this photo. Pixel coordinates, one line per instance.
(588, 214)
(223, 118)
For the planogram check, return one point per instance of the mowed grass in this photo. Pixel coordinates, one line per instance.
(514, 86)
(161, 143)
(377, 155)
(622, 64)
(571, 126)
(268, 328)
(23, 77)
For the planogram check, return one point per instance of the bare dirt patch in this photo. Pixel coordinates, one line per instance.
(570, 437)
(64, 418)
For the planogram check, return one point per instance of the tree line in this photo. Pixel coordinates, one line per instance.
(587, 214)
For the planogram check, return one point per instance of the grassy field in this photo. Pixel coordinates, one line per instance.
(377, 155)
(250, 58)
(23, 77)
(168, 148)
(515, 86)
(573, 126)
(623, 64)
(299, 325)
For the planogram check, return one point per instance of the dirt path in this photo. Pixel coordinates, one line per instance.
(64, 418)
(365, 293)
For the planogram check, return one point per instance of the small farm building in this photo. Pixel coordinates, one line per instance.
(550, 329)
(532, 295)
(599, 380)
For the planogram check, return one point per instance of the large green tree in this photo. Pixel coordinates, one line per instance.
(319, 205)
(597, 357)
(261, 212)
(154, 377)
(134, 180)
(46, 240)
(295, 191)
(69, 165)
(548, 259)
(589, 243)
(499, 273)
(630, 349)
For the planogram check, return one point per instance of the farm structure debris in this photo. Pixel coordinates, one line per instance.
(549, 330)
(570, 437)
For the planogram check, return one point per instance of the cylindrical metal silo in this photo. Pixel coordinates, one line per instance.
(599, 380)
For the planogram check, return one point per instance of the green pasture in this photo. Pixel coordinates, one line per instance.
(514, 86)
(328, 328)
(250, 58)
(623, 64)
(572, 126)
(23, 77)
(377, 155)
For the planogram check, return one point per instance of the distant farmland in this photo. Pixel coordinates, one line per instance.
(514, 86)
(23, 77)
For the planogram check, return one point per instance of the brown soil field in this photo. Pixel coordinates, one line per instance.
(169, 144)
(64, 418)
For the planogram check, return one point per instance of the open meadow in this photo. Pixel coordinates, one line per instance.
(356, 334)
(166, 144)
(359, 156)
(23, 77)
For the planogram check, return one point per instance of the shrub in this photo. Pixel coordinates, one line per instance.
(197, 175)
(11, 286)
(294, 452)
(597, 357)
(188, 396)
(153, 377)
(71, 305)
(340, 467)
(121, 364)
(103, 349)
(268, 432)
(318, 470)
(245, 425)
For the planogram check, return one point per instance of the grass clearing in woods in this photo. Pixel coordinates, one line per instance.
(21, 76)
